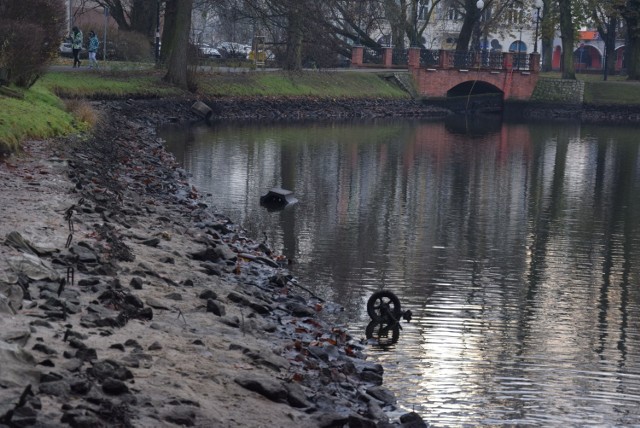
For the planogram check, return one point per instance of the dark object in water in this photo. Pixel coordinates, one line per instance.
(384, 309)
(202, 110)
(277, 199)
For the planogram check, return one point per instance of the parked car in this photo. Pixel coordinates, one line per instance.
(233, 50)
(66, 48)
(209, 52)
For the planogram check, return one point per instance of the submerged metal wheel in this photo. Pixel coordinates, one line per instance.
(384, 306)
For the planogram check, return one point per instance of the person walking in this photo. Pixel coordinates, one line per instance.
(93, 49)
(76, 45)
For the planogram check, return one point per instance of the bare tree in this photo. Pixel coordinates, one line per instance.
(132, 15)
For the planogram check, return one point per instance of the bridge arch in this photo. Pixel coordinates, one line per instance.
(474, 87)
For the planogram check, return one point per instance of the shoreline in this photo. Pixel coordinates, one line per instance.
(127, 302)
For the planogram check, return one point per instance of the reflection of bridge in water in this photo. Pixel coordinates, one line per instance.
(443, 73)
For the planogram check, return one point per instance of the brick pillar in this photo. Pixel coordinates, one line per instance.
(357, 56)
(444, 59)
(507, 60)
(534, 62)
(413, 61)
(387, 57)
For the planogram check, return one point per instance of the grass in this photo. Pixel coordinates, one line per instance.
(612, 93)
(615, 90)
(108, 84)
(40, 114)
(343, 84)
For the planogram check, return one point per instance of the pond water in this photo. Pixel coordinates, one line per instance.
(515, 246)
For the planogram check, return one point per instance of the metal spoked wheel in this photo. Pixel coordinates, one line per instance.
(384, 307)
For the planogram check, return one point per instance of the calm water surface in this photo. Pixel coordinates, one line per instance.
(516, 246)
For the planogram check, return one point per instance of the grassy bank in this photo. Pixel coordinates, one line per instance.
(615, 90)
(43, 114)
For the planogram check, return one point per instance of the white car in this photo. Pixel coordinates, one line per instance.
(209, 52)
(66, 48)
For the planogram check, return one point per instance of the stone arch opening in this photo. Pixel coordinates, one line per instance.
(473, 87)
(475, 96)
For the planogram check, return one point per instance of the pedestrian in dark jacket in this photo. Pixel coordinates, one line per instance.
(76, 45)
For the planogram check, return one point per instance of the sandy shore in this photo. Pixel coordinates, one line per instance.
(125, 301)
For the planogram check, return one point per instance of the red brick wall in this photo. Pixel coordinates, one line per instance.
(436, 83)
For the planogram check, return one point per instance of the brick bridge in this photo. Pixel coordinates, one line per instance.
(442, 73)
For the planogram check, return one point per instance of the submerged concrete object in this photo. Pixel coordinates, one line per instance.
(278, 198)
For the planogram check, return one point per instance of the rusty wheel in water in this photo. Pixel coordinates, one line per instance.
(384, 306)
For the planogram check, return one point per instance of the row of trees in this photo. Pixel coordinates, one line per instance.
(319, 31)
(303, 31)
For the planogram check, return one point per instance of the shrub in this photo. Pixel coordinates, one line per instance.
(30, 33)
(130, 46)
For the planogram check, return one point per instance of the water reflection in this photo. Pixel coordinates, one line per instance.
(516, 247)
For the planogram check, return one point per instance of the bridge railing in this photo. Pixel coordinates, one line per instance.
(445, 59)
(371, 56)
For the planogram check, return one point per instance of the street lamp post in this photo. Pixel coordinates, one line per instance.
(538, 5)
(480, 6)
(157, 45)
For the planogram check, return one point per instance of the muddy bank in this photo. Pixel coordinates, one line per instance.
(126, 301)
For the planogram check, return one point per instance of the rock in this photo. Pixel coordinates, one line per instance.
(59, 388)
(156, 304)
(153, 242)
(174, 296)
(296, 396)
(208, 294)
(300, 310)
(267, 387)
(33, 267)
(155, 346)
(84, 254)
(216, 308)
(13, 295)
(211, 268)
(81, 387)
(382, 394)
(44, 349)
(356, 421)
(23, 417)
(136, 283)
(105, 369)
(412, 420)
(184, 416)
(114, 387)
(332, 420)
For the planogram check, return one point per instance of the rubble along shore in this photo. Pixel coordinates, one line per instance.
(125, 301)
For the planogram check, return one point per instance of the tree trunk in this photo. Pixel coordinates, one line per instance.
(177, 60)
(568, 38)
(631, 14)
(633, 56)
(547, 54)
(168, 30)
(610, 46)
(471, 17)
(143, 17)
(295, 31)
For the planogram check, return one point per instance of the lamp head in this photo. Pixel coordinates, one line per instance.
(538, 4)
(480, 4)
